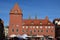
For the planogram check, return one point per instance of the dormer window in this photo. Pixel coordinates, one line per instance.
(41, 23)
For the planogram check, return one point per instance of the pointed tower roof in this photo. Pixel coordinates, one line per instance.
(16, 9)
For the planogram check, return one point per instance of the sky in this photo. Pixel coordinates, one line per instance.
(40, 8)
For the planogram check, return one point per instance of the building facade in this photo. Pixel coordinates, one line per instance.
(30, 27)
(2, 35)
(57, 28)
(6, 31)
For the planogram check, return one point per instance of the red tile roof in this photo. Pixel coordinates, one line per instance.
(38, 22)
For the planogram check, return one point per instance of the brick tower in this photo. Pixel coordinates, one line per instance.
(15, 22)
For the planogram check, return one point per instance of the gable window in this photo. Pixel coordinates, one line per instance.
(16, 11)
(40, 23)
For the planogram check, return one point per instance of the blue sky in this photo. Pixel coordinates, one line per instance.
(41, 8)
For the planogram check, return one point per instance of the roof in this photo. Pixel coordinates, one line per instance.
(37, 22)
(16, 8)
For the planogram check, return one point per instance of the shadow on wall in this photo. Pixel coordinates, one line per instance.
(16, 38)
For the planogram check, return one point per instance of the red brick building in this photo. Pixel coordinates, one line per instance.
(31, 27)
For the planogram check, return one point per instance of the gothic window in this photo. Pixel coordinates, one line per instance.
(16, 30)
(12, 30)
(30, 31)
(16, 11)
(34, 30)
